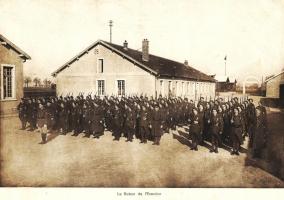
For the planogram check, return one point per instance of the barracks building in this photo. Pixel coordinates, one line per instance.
(11, 75)
(105, 68)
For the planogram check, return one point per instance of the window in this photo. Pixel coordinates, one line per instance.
(161, 87)
(100, 65)
(175, 89)
(8, 81)
(121, 87)
(170, 87)
(101, 87)
(187, 88)
(182, 88)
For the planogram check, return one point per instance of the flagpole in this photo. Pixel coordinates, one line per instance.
(225, 65)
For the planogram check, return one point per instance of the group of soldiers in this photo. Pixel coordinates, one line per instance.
(217, 121)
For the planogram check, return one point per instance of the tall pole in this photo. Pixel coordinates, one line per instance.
(110, 33)
(225, 65)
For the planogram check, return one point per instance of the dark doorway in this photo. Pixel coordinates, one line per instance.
(281, 92)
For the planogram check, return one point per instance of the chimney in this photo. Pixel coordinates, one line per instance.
(186, 62)
(145, 50)
(125, 45)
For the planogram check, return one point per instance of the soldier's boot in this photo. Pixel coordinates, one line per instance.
(213, 148)
(97, 135)
(216, 149)
(193, 145)
(23, 125)
(87, 135)
(158, 140)
(43, 138)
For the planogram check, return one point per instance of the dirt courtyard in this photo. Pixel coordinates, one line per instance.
(78, 161)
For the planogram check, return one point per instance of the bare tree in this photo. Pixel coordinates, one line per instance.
(27, 80)
(46, 82)
(37, 81)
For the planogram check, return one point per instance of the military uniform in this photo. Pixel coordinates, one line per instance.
(195, 131)
(156, 124)
(97, 122)
(23, 115)
(237, 127)
(216, 129)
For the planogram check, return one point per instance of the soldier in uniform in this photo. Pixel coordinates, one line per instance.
(207, 115)
(42, 122)
(97, 122)
(251, 117)
(237, 128)
(89, 116)
(50, 115)
(130, 120)
(260, 133)
(201, 120)
(30, 114)
(226, 125)
(195, 129)
(216, 126)
(117, 122)
(34, 114)
(201, 102)
(144, 123)
(156, 124)
(63, 119)
(23, 115)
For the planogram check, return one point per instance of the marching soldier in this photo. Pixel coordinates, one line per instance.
(97, 122)
(201, 120)
(117, 122)
(207, 115)
(63, 113)
(237, 127)
(156, 124)
(251, 117)
(42, 122)
(144, 123)
(50, 115)
(195, 129)
(260, 133)
(216, 128)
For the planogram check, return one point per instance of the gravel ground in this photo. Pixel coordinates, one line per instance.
(78, 161)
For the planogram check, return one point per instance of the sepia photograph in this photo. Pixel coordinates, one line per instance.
(142, 94)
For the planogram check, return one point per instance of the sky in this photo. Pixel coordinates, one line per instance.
(249, 32)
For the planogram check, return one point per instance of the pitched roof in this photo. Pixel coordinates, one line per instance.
(274, 76)
(157, 65)
(21, 53)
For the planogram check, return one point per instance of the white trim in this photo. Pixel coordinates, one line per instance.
(97, 86)
(13, 98)
(116, 86)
